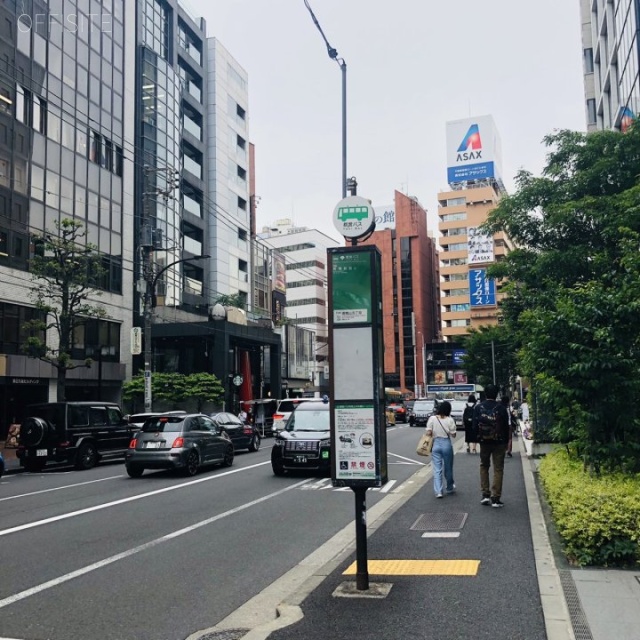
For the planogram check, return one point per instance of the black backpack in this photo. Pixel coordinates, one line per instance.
(489, 427)
(467, 418)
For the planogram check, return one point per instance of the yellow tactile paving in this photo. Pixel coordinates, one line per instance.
(418, 568)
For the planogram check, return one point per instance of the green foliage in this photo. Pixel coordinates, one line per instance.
(204, 387)
(231, 300)
(482, 356)
(573, 287)
(597, 517)
(175, 389)
(65, 273)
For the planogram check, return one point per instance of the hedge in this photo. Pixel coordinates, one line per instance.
(597, 517)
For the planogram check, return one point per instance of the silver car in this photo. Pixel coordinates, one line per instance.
(184, 442)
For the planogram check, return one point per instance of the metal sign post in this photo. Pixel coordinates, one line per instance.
(358, 425)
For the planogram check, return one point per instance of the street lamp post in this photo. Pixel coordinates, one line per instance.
(333, 54)
(149, 296)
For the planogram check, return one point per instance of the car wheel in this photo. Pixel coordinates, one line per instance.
(33, 431)
(135, 470)
(278, 467)
(227, 461)
(34, 466)
(192, 464)
(254, 445)
(87, 456)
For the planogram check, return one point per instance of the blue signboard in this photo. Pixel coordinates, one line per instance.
(482, 290)
(458, 356)
(469, 172)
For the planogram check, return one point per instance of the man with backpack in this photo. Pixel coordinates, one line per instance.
(491, 429)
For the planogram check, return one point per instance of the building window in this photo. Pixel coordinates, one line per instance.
(240, 112)
(242, 203)
(242, 266)
(241, 142)
(588, 60)
(242, 234)
(591, 111)
(242, 173)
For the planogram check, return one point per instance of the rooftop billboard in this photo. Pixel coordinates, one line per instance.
(473, 150)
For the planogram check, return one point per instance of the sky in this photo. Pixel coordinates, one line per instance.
(412, 65)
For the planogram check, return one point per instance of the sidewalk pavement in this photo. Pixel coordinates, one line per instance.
(450, 569)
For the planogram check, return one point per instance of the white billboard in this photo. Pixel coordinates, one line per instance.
(480, 246)
(385, 217)
(473, 150)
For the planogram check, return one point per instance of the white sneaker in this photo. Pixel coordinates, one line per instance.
(485, 501)
(438, 495)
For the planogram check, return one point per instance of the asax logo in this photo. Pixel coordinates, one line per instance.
(471, 139)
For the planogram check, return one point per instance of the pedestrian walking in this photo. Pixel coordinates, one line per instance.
(443, 427)
(491, 427)
(505, 402)
(467, 421)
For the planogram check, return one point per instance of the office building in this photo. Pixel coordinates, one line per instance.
(469, 298)
(410, 291)
(305, 253)
(610, 62)
(66, 151)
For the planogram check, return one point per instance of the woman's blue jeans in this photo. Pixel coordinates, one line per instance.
(442, 460)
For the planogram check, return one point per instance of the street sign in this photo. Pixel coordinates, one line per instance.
(136, 341)
(354, 217)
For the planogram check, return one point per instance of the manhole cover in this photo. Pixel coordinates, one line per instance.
(439, 521)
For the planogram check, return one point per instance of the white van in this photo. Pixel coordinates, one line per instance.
(285, 407)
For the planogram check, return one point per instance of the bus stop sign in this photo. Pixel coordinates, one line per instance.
(354, 217)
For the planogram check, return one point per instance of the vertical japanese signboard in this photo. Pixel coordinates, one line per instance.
(358, 425)
(482, 290)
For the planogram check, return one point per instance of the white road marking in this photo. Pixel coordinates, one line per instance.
(115, 503)
(68, 486)
(5, 602)
(411, 460)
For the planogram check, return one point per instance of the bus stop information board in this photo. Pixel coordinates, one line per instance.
(351, 294)
(355, 451)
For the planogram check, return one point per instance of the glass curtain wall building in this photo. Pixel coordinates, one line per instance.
(170, 158)
(66, 152)
(610, 48)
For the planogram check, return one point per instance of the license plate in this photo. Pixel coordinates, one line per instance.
(41, 453)
(153, 445)
(300, 459)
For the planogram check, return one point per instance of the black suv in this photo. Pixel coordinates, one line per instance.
(79, 433)
(305, 441)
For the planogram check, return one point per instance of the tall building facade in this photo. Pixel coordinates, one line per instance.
(66, 151)
(305, 253)
(170, 227)
(611, 56)
(410, 291)
(229, 178)
(469, 299)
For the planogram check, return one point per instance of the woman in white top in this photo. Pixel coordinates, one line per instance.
(443, 427)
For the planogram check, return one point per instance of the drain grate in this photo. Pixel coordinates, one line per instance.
(439, 521)
(579, 622)
(226, 634)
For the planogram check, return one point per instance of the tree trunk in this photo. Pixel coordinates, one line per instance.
(61, 384)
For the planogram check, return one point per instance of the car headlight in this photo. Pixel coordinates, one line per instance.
(325, 442)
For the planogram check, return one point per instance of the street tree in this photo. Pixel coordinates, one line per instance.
(490, 356)
(65, 272)
(231, 300)
(204, 388)
(573, 286)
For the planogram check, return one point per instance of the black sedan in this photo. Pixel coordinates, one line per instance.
(243, 436)
(184, 442)
(305, 441)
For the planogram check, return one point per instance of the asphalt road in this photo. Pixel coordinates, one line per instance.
(98, 555)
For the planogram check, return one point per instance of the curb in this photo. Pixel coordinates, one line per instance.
(285, 596)
(555, 610)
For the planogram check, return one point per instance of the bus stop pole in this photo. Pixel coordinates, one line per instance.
(362, 570)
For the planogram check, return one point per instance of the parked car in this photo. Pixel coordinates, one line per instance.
(136, 420)
(184, 442)
(305, 442)
(284, 409)
(242, 434)
(400, 411)
(420, 413)
(457, 410)
(79, 433)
